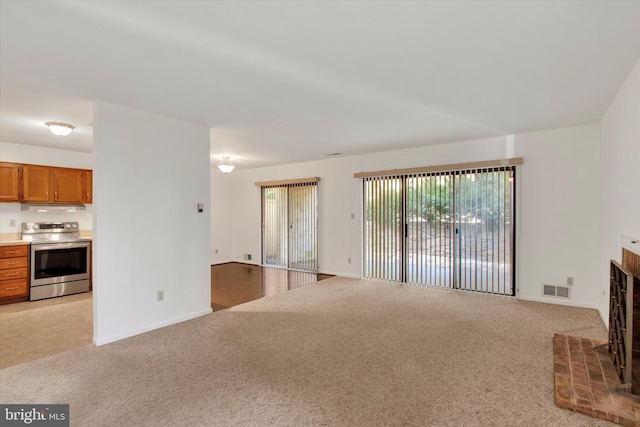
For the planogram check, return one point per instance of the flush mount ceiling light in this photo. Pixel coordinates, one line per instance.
(225, 165)
(60, 129)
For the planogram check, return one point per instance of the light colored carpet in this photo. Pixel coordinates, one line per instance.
(341, 352)
(34, 329)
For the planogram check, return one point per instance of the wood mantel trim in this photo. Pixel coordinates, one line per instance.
(443, 168)
(631, 262)
(287, 182)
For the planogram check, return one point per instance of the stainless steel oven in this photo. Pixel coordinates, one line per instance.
(60, 261)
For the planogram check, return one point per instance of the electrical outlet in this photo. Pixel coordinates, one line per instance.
(160, 296)
(570, 281)
(348, 260)
(12, 223)
(249, 257)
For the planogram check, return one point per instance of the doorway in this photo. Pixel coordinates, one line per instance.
(290, 226)
(451, 229)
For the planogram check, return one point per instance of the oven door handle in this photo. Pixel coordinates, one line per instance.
(50, 246)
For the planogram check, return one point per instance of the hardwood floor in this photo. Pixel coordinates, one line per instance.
(34, 329)
(236, 283)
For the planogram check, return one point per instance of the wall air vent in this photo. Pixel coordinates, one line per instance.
(555, 291)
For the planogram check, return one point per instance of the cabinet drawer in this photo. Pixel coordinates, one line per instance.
(14, 273)
(14, 251)
(14, 288)
(11, 263)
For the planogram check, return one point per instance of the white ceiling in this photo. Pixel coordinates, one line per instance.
(281, 82)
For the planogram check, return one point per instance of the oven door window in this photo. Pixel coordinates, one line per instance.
(60, 262)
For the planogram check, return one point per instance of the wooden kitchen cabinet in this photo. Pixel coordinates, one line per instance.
(14, 273)
(36, 184)
(45, 184)
(68, 185)
(88, 186)
(9, 182)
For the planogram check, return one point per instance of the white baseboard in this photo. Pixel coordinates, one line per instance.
(605, 319)
(558, 301)
(222, 262)
(98, 341)
(244, 261)
(351, 276)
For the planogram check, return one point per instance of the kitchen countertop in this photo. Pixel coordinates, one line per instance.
(25, 242)
(13, 242)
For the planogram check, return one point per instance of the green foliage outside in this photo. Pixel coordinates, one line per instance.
(482, 197)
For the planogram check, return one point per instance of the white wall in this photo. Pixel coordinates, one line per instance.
(559, 199)
(150, 172)
(339, 195)
(558, 193)
(9, 211)
(20, 153)
(620, 177)
(221, 214)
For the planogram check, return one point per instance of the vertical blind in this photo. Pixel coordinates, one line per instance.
(383, 243)
(290, 225)
(428, 231)
(450, 229)
(275, 207)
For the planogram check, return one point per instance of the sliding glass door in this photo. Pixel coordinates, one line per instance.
(447, 229)
(383, 243)
(483, 202)
(429, 254)
(290, 226)
(275, 206)
(303, 227)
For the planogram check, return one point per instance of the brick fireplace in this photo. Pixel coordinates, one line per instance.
(624, 321)
(602, 378)
(631, 263)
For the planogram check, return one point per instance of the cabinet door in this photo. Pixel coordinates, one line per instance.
(9, 182)
(88, 186)
(36, 183)
(14, 273)
(14, 288)
(68, 185)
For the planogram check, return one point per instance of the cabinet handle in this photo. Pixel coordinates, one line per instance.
(11, 252)
(11, 274)
(46, 194)
(12, 263)
(55, 195)
(12, 288)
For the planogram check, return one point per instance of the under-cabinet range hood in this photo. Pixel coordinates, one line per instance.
(52, 207)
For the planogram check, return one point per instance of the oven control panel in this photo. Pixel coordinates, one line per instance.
(49, 227)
